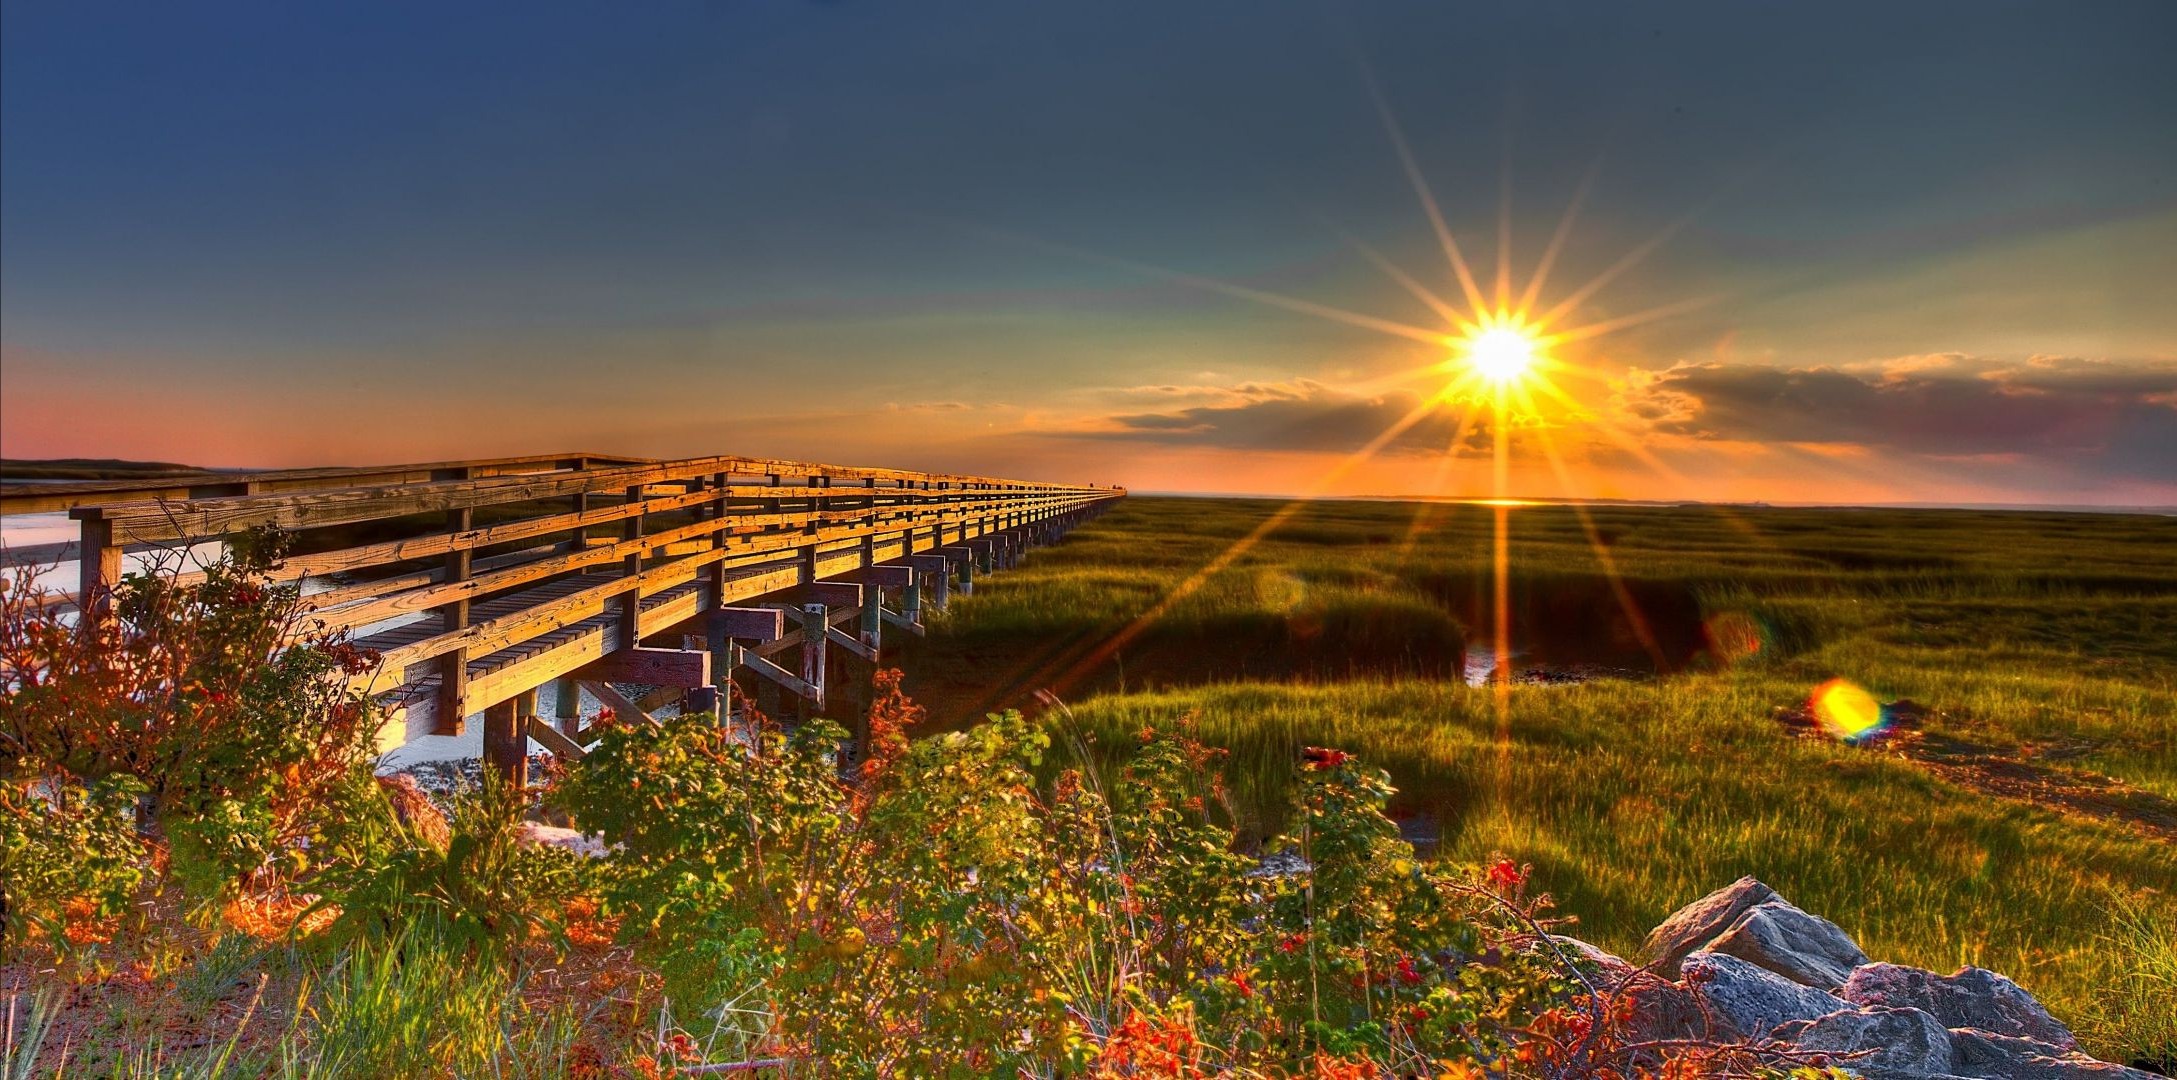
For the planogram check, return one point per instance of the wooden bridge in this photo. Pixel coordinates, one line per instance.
(479, 582)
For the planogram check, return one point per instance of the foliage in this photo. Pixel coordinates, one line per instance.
(932, 913)
(70, 854)
(476, 890)
(210, 689)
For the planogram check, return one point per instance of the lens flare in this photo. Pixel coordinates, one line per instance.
(1734, 637)
(1846, 711)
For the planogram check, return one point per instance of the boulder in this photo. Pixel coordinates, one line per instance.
(1881, 1041)
(1971, 998)
(1747, 1000)
(532, 833)
(1804, 948)
(1601, 965)
(1988, 1055)
(1692, 927)
(1651, 1009)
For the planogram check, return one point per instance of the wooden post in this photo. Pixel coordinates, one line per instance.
(873, 620)
(911, 600)
(631, 604)
(579, 502)
(99, 566)
(567, 705)
(815, 646)
(506, 740)
(453, 671)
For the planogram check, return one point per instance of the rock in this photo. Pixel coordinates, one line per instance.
(532, 833)
(1602, 966)
(1693, 926)
(415, 810)
(1655, 1009)
(1992, 1056)
(1971, 998)
(1888, 1042)
(1804, 948)
(1750, 1000)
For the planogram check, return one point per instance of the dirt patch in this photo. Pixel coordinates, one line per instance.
(2028, 774)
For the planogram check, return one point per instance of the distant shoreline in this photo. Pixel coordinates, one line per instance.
(26, 470)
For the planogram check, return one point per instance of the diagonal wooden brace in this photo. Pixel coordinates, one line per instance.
(850, 643)
(787, 679)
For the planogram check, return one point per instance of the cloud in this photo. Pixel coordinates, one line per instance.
(2113, 418)
(1300, 415)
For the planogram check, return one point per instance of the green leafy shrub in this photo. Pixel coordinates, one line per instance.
(933, 913)
(477, 890)
(210, 689)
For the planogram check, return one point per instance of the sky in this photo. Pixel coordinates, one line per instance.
(1837, 252)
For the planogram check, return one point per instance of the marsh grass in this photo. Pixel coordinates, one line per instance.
(2049, 637)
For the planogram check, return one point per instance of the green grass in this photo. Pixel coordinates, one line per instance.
(2024, 632)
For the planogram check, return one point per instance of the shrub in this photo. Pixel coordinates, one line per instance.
(933, 913)
(231, 713)
(472, 887)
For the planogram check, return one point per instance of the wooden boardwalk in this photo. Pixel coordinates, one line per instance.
(478, 582)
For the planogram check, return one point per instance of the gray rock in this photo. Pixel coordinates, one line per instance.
(1887, 1042)
(1750, 1000)
(1600, 963)
(1804, 948)
(1991, 1056)
(1690, 928)
(1971, 998)
(1656, 1009)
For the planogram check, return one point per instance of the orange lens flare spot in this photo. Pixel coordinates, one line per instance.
(1845, 710)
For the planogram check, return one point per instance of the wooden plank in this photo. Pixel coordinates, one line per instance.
(759, 624)
(150, 521)
(850, 643)
(654, 667)
(911, 625)
(834, 593)
(888, 576)
(777, 674)
(622, 709)
(559, 744)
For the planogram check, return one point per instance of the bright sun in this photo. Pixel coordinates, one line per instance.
(1500, 354)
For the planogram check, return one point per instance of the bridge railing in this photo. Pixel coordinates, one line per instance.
(460, 572)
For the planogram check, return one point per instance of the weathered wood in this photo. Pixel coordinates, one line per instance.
(652, 667)
(815, 628)
(850, 643)
(887, 576)
(750, 623)
(506, 743)
(622, 709)
(835, 593)
(552, 739)
(739, 530)
(98, 570)
(776, 676)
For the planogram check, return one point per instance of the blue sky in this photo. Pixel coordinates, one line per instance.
(284, 234)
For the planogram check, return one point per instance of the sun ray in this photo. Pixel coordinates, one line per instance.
(1630, 260)
(1095, 655)
(1634, 617)
(1623, 322)
(1556, 245)
(1242, 292)
(1439, 305)
(1397, 135)
(1504, 235)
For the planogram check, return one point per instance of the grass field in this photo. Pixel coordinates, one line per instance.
(2031, 827)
